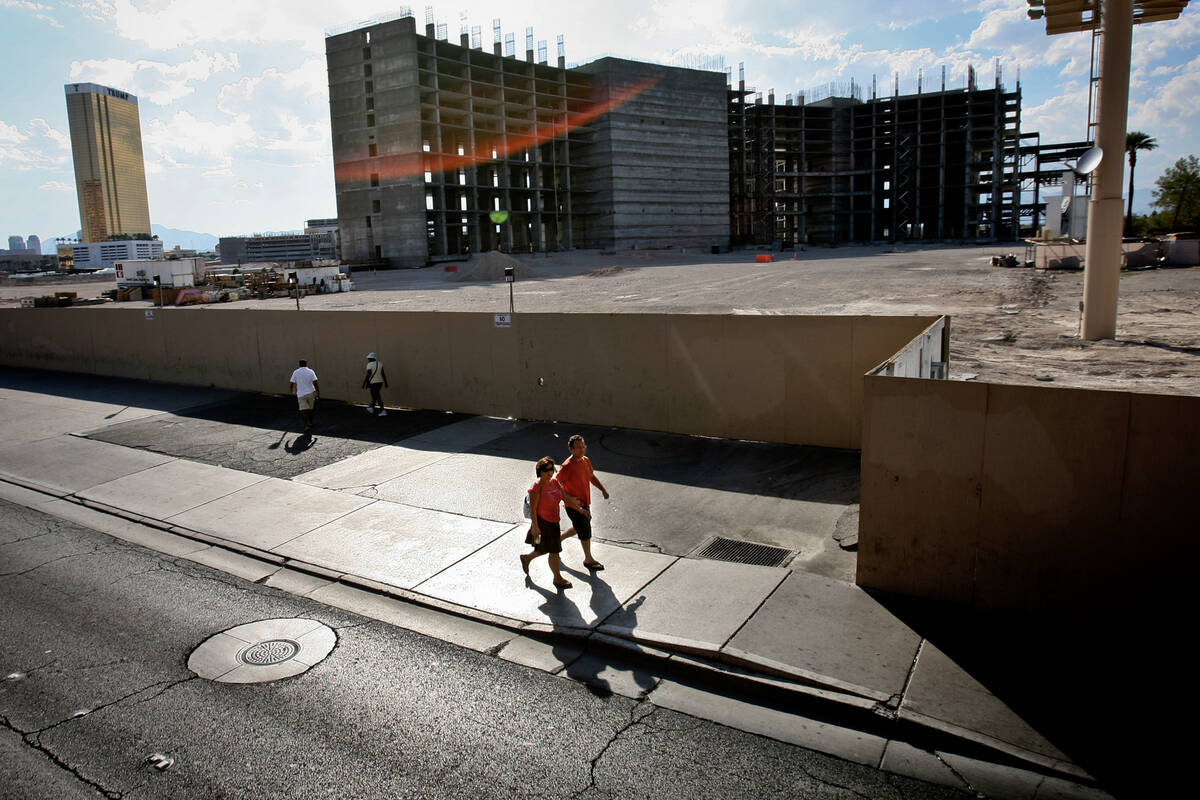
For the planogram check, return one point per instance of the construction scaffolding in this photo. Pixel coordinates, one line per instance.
(928, 166)
(495, 140)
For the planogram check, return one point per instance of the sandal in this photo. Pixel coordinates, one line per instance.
(564, 584)
(595, 566)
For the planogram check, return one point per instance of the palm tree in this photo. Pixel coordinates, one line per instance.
(1134, 141)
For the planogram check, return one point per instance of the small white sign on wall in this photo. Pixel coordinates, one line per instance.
(504, 320)
(150, 313)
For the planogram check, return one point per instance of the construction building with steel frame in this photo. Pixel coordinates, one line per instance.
(444, 149)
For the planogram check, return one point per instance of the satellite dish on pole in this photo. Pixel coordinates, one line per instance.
(1088, 162)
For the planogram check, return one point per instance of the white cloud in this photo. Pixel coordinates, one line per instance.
(291, 132)
(185, 140)
(40, 146)
(57, 186)
(39, 10)
(155, 81)
(1171, 110)
(1061, 118)
(168, 24)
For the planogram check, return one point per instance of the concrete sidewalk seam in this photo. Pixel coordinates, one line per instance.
(757, 608)
(453, 564)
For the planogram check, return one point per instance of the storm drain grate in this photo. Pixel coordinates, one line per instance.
(763, 555)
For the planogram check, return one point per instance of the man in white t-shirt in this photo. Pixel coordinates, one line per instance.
(307, 389)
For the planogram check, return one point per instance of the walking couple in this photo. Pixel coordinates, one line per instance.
(572, 487)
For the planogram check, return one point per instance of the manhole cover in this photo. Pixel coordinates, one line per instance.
(259, 652)
(762, 555)
(273, 651)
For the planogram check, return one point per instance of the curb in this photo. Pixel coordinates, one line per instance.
(724, 671)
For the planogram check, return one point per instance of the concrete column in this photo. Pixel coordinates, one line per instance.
(1105, 211)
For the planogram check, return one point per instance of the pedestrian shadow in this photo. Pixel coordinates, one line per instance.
(604, 605)
(570, 640)
(300, 444)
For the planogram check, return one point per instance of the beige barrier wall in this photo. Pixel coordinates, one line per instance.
(772, 378)
(1024, 498)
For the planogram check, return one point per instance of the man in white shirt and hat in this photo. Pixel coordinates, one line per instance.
(375, 380)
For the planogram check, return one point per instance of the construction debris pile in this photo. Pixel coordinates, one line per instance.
(224, 284)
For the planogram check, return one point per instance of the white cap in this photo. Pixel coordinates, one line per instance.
(370, 356)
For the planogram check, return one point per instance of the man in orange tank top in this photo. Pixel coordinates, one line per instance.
(577, 478)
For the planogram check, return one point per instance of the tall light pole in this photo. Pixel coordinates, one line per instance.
(1115, 20)
(1102, 256)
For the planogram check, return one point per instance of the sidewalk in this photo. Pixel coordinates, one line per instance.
(434, 521)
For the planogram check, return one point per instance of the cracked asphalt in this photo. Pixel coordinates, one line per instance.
(94, 643)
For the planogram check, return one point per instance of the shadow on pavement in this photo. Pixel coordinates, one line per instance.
(248, 433)
(113, 391)
(794, 472)
(1094, 687)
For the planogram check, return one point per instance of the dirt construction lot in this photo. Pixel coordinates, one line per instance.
(1008, 325)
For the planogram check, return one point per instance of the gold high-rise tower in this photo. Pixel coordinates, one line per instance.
(110, 176)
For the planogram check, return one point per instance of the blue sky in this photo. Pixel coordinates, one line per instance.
(234, 104)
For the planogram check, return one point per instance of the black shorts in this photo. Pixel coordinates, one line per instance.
(583, 525)
(551, 537)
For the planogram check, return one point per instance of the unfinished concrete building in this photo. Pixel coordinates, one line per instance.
(444, 149)
(933, 165)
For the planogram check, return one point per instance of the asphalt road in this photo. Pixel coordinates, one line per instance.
(94, 644)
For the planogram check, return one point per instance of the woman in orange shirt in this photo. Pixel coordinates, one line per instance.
(544, 531)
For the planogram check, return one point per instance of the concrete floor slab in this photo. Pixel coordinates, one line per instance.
(847, 743)
(22, 496)
(1002, 781)
(429, 622)
(392, 543)
(268, 513)
(168, 489)
(366, 471)
(491, 487)
(831, 628)
(673, 491)
(244, 567)
(536, 654)
(297, 583)
(945, 691)
(740, 588)
(490, 579)
(901, 758)
(38, 422)
(672, 517)
(466, 435)
(126, 530)
(68, 464)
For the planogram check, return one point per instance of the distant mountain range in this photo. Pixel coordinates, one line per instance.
(170, 237)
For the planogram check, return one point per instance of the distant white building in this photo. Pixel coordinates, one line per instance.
(175, 273)
(313, 245)
(326, 228)
(98, 255)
